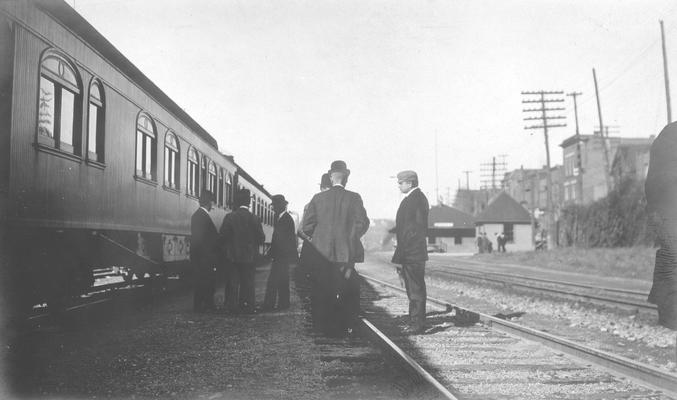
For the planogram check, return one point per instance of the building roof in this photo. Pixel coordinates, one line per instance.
(504, 208)
(443, 216)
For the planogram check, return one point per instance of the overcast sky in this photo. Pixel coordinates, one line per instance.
(289, 86)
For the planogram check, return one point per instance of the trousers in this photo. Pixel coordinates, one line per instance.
(413, 275)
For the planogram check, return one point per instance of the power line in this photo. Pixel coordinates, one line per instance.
(544, 98)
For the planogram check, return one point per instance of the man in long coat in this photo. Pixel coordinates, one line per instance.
(661, 198)
(242, 235)
(204, 253)
(335, 220)
(283, 252)
(411, 229)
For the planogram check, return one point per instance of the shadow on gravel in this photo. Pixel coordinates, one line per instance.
(408, 384)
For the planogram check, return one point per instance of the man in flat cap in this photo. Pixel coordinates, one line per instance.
(242, 234)
(283, 252)
(204, 253)
(335, 220)
(411, 230)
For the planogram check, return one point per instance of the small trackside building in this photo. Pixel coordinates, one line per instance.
(505, 214)
(452, 229)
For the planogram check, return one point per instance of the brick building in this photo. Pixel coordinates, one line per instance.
(589, 182)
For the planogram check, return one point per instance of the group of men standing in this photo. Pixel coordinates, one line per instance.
(332, 226)
(234, 250)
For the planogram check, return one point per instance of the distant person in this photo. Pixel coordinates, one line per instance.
(488, 246)
(283, 252)
(242, 234)
(661, 197)
(500, 242)
(204, 253)
(335, 220)
(411, 228)
(480, 244)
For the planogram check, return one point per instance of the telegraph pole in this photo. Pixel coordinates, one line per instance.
(467, 179)
(604, 138)
(540, 97)
(665, 73)
(579, 161)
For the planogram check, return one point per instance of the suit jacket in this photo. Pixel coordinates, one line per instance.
(242, 234)
(283, 244)
(411, 228)
(204, 242)
(661, 179)
(336, 220)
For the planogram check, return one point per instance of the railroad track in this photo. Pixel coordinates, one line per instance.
(572, 290)
(501, 359)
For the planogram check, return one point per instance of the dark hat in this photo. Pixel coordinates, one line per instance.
(206, 197)
(407, 176)
(339, 166)
(242, 197)
(279, 199)
(325, 181)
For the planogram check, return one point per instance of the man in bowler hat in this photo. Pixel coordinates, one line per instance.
(283, 252)
(242, 234)
(204, 253)
(411, 229)
(661, 199)
(335, 220)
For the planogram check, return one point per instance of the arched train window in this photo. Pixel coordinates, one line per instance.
(146, 139)
(59, 104)
(193, 172)
(95, 127)
(172, 161)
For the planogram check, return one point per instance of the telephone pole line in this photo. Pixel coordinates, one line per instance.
(467, 179)
(579, 161)
(605, 139)
(544, 98)
(665, 74)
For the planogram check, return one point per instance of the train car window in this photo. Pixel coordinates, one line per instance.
(171, 161)
(220, 196)
(59, 104)
(193, 172)
(211, 184)
(95, 127)
(146, 148)
(203, 172)
(229, 190)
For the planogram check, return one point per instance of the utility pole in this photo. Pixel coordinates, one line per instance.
(540, 98)
(665, 73)
(490, 170)
(579, 160)
(604, 138)
(467, 179)
(437, 181)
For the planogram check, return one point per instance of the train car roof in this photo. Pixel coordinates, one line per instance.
(65, 14)
(251, 180)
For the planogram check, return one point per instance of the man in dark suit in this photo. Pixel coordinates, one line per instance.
(242, 234)
(204, 253)
(335, 220)
(661, 199)
(283, 252)
(411, 229)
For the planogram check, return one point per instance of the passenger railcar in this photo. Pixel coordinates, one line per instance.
(98, 167)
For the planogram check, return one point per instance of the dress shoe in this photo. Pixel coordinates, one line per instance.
(413, 330)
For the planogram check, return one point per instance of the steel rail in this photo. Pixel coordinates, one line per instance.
(611, 300)
(568, 283)
(406, 359)
(643, 374)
